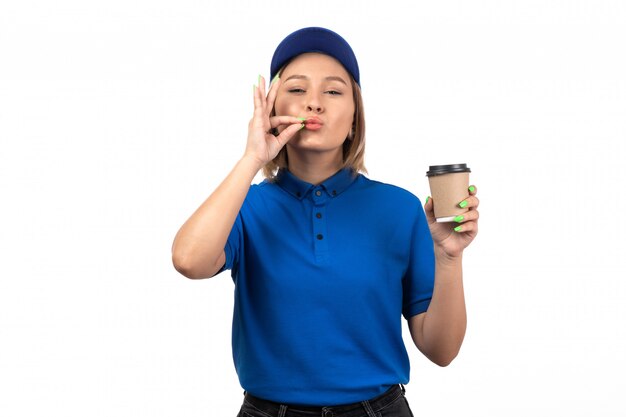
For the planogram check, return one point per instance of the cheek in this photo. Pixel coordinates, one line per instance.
(283, 105)
(347, 119)
(350, 118)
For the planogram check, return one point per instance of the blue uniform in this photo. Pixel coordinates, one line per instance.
(322, 277)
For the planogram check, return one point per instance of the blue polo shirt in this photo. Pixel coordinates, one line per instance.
(323, 274)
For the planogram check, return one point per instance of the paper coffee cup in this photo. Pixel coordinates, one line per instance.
(448, 187)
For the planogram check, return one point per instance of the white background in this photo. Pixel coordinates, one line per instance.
(118, 118)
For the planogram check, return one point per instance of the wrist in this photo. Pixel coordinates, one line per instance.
(444, 258)
(252, 163)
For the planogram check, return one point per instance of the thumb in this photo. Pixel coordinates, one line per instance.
(288, 133)
(429, 210)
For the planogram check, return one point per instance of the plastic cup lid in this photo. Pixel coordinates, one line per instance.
(446, 169)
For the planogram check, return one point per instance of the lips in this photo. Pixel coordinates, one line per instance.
(313, 123)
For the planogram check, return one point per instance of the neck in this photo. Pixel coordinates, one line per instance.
(314, 168)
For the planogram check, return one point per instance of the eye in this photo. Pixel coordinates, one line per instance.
(296, 90)
(334, 93)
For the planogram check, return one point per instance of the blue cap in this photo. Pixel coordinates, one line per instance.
(315, 39)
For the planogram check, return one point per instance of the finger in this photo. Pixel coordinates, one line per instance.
(271, 97)
(285, 120)
(467, 227)
(470, 202)
(262, 86)
(286, 135)
(472, 189)
(471, 215)
(258, 104)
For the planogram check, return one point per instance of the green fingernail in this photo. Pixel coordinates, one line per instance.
(259, 79)
(427, 198)
(472, 189)
(458, 228)
(301, 126)
(463, 204)
(301, 118)
(276, 78)
(458, 219)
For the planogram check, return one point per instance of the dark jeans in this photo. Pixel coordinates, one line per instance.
(390, 404)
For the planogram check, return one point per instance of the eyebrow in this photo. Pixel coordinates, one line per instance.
(330, 78)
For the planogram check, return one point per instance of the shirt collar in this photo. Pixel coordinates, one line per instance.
(333, 185)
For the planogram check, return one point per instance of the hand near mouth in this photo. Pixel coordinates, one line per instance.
(262, 145)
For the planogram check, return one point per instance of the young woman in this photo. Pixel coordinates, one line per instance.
(325, 261)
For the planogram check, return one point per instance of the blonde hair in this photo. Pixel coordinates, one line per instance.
(353, 146)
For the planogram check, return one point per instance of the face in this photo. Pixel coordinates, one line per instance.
(317, 86)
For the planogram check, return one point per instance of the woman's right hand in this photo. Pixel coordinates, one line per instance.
(262, 145)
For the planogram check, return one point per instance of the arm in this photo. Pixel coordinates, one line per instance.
(198, 248)
(438, 333)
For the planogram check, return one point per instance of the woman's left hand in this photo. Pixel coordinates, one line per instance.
(453, 238)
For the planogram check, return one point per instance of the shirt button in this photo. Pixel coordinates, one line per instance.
(320, 237)
(334, 192)
(318, 193)
(318, 215)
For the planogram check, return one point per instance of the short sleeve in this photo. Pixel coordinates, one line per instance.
(419, 279)
(233, 245)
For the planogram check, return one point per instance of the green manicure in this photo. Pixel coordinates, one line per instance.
(276, 78)
(458, 228)
(301, 118)
(472, 189)
(427, 198)
(463, 204)
(259, 79)
(301, 126)
(458, 219)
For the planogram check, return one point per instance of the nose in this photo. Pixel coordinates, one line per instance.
(314, 103)
(314, 108)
